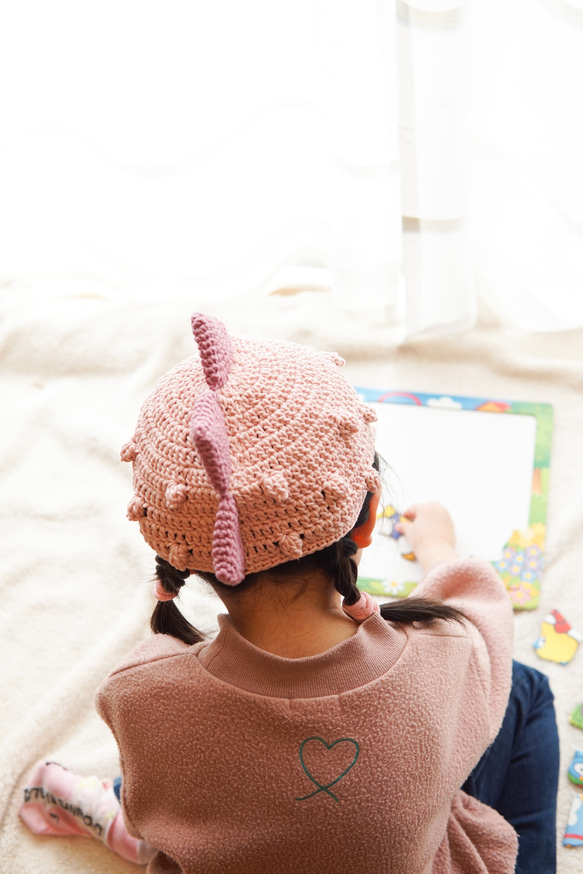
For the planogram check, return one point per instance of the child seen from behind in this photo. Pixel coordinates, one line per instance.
(317, 732)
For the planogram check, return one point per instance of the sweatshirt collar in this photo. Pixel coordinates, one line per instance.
(360, 659)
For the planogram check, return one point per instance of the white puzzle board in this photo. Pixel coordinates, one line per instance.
(478, 464)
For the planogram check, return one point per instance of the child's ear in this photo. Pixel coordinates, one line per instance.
(362, 535)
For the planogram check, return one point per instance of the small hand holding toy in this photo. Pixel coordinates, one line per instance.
(558, 642)
(394, 518)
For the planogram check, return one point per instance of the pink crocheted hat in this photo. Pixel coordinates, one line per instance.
(249, 455)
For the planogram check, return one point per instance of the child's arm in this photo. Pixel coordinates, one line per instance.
(474, 587)
(430, 531)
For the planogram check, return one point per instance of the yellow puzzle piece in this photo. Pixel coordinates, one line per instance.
(558, 642)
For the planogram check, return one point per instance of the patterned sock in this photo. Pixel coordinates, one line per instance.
(58, 802)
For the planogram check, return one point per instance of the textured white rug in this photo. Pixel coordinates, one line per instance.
(75, 577)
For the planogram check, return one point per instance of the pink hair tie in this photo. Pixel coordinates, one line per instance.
(364, 607)
(160, 592)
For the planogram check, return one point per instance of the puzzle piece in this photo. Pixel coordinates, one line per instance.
(575, 772)
(521, 564)
(574, 830)
(577, 716)
(558, 642)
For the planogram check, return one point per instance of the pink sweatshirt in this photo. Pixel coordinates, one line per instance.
(236, 761)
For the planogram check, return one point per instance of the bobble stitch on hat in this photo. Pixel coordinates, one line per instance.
(175, 495)
(346, 423)
(178, 556)
(368, 414)
(372, 479)
(335, 486)
(336, 359)
(291, 545)
(136, 509)
(128, 451)
(275, 486)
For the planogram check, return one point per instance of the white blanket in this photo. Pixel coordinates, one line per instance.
(75, 577)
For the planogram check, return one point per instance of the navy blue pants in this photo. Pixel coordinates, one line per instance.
(518, 775)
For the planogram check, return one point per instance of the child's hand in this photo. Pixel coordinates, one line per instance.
(430, 531)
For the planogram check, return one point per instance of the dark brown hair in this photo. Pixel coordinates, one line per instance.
(167, 618)
(337, 560)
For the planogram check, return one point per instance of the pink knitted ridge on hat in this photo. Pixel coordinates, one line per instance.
(209, 435)
(215, 347)
(228, 555)
(253, 453)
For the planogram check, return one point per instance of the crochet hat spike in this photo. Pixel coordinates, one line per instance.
(209, 435)
(215, 348)
(252, 453)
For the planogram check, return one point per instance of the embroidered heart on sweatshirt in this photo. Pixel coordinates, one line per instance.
(326, 764)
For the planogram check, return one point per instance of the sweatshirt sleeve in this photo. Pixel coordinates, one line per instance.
(104, 709)
(474, 587)
(114, 693)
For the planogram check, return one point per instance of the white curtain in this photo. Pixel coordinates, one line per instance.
(527, 169)
(413, 156)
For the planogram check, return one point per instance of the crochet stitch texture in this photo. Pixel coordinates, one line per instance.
(252, 454)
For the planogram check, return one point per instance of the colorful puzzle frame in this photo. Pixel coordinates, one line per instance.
(522, 558)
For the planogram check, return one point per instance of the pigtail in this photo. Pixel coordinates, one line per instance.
(338, 558)
(425, 610)
(167, 618)
(344, 569)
